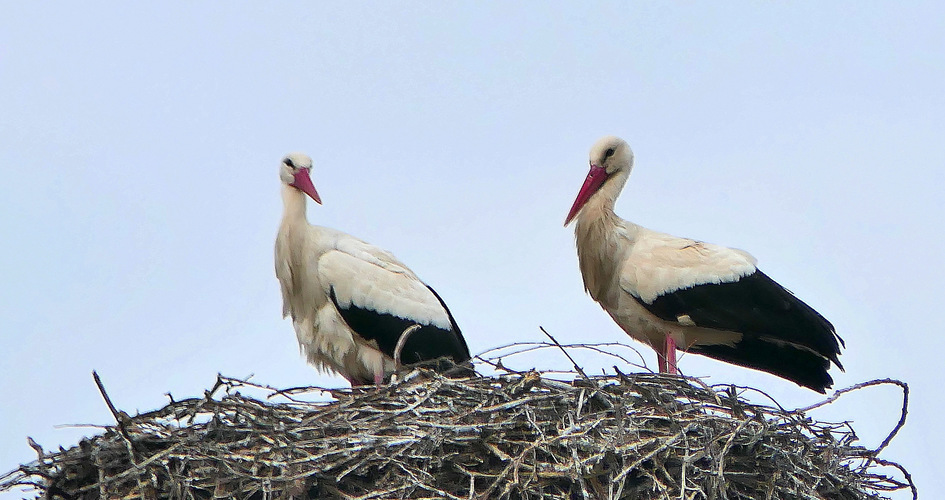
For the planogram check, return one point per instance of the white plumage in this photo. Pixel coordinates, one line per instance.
(350, 301)
(658, 263)
(667, 291)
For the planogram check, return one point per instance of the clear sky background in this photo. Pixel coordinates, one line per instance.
(139, 146)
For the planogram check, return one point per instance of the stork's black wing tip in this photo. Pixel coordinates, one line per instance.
(801, 366)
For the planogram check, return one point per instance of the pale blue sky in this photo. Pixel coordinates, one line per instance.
(140, 147)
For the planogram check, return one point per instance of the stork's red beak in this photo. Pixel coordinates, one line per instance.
(304, 183)
(595, 178)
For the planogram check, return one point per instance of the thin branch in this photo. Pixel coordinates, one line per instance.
(573, 363)
(121, 418)
(401, 342)
(903, 412)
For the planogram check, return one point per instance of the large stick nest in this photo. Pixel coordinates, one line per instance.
(519, 435)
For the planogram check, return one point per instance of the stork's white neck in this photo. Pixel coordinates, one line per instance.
(293, 202)
(597, 234)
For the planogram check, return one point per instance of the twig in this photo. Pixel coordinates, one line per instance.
(40, 455)
(902, 417)
(573, 363)
(120, 418)
(905, 474)
(108, 401)
(401, 342)
(601, 348)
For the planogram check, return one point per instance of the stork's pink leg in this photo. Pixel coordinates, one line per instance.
(378, 379)
(668, 360)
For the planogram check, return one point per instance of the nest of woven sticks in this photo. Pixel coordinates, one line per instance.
(516, 435)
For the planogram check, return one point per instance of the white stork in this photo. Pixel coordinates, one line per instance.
(667, 291)
(351, 301)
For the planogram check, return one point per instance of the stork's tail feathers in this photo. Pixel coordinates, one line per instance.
(799, 365)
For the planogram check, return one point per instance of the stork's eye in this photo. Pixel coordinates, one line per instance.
(288, 161)
(608, 153)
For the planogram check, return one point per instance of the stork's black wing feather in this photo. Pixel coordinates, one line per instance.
(427, 343)
(781, 334)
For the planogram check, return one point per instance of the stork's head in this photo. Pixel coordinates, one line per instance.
(610, 155)
(295, 170)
